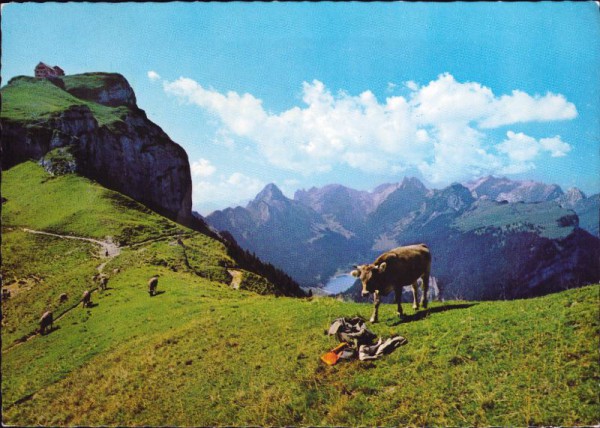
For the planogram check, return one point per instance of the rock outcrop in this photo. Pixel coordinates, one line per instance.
(112, 140)
(109, 89)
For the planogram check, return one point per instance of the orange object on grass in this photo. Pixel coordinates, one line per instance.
(332, 357)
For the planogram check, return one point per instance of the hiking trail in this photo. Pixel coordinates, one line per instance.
(108, 250)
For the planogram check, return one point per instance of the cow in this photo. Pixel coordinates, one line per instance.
(152, 284)
(63, 297)
(394, 269)
(103, 281)
(86, 298)
(46, 321)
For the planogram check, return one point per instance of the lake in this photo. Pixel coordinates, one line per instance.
(339, 283)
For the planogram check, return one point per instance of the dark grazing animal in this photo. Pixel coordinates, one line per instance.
(394, 269)
(46, 322)
(63, 297)
(152, 284)
(86, 298)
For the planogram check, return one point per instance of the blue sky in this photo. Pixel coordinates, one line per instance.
(360, 94)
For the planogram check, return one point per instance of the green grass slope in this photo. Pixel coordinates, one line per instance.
(203, 353)
(29, 100)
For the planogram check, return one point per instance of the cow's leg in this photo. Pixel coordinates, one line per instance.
(415, 292)
(375, 316)
(398, 299)
(425, 289)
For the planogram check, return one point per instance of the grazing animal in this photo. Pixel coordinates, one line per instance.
(102, 280)
(46, 322)
(86, 298)
(394, 269)
(63, 297)
(152, 284)
(5, 293)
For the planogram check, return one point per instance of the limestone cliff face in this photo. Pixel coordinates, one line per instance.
(127, 152)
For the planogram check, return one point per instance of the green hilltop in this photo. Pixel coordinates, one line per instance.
(204, 352)
(32, 101)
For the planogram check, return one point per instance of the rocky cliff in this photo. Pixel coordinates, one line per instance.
(95, 117)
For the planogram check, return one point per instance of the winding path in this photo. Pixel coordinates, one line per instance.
(108, 250)
(108, 247)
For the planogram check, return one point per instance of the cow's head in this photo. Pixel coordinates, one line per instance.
(369, 276)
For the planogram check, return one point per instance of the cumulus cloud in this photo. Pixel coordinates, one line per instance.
(153, 75)
(220, 191)
(441, 128)
(202, 168)
(522, 149)
(521, 107)
(555, 146)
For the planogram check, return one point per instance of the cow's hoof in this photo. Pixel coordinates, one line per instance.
(373, 321)
(415, 307)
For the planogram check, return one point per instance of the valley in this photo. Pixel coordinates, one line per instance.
(232, 340)
(204, 353)
(528, 227)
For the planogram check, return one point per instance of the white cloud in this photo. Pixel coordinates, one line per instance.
(413, 86)
(522, 150)
(556, 146)
(519, 147)
(521, 107)
(202, 168)
(153, 75)
(224, 191)
(440, 128)
(447, 101)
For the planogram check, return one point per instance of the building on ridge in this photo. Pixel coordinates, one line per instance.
(43, 71)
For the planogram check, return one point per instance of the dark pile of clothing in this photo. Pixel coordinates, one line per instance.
(358, 341)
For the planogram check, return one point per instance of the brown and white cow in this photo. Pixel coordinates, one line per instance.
(394, 269)
(152, 285)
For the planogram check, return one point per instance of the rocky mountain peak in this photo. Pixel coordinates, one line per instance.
(412, 183)
(504, 189)
(571, 197)
(456, 197)
(270, 193)
(490, 186)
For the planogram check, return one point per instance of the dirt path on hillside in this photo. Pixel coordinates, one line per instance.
(108, 250)
(236, 278)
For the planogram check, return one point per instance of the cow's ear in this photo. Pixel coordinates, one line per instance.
(382, 267)
(355, 273)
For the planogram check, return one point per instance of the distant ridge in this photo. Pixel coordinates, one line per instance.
(532, 229)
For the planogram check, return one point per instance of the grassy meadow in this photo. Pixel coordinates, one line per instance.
(31, 101)
(204, 353)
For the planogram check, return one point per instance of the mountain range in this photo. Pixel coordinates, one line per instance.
(492, 238)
